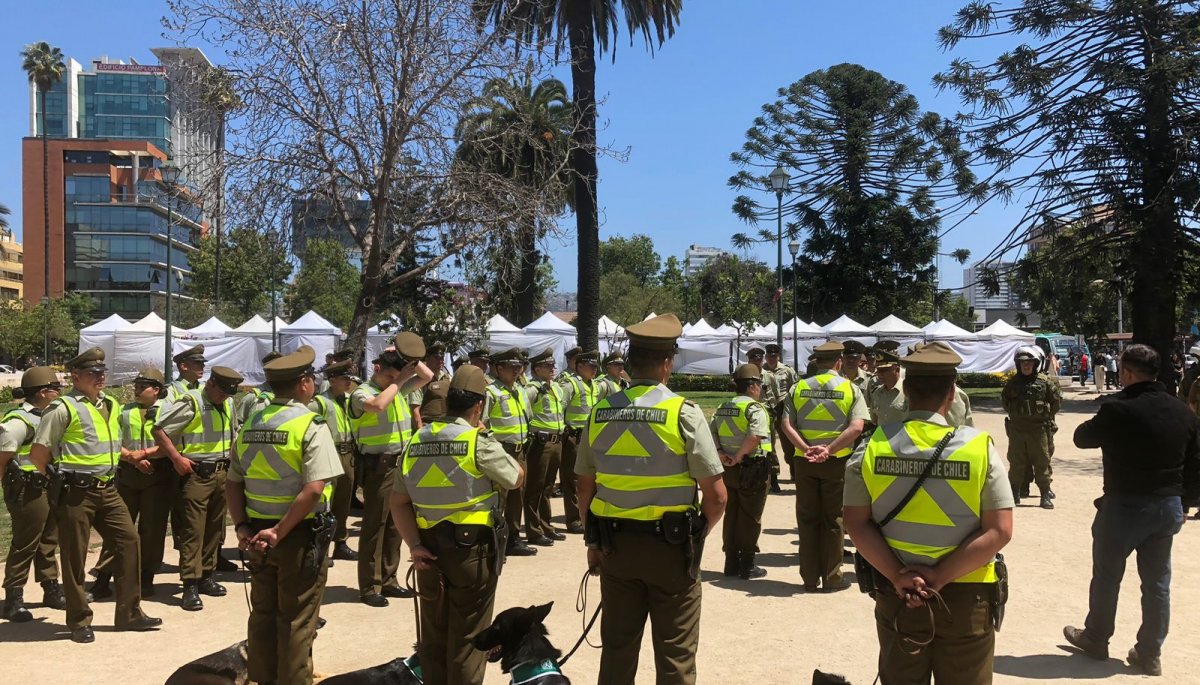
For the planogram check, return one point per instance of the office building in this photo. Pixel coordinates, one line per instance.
(314, 217)
(696, 257)
(11, 266)
(1004, 305)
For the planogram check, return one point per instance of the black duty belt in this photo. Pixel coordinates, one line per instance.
(459, 535)
(547, 437)
(208, 469)
(32, 479)
(632, 526)
(86, 481)
(344, 447)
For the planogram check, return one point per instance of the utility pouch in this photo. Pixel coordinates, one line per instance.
(864, 575)
(676, 527)
(54, 491)
(592, 535)
(999, 596)
(14, 484)
(500, 534)
(754, 472)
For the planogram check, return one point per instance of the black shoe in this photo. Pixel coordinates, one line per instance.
(147, 584)
(556, 536)
(52, 595)
(575, 528)
(812, 587)
(775, 484)
(321, 623)
(830, 588)
(541, 541)
(374, 599)
(101, 588)
(520, 549)
(211, 588)
(1086, 643)
(731, 565)
(224, 564)
(141, 625)
(397, 592)
(14, 607)
(746, 568)
(191, 597)
(1024, 490)
(1150, 665)
(1051, 492)
(342, 552)
(1047, 501)
(557, 492)
(83, 635)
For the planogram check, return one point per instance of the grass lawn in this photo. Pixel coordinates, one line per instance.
(985, 394)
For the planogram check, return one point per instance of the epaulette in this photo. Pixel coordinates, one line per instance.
(319, 418)
(691, 403)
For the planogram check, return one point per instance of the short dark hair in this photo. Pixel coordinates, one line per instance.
(928, 389)
(743, 384)
(459, 401)
(641, 359)
(1142, 360)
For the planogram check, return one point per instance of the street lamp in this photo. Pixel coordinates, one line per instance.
(779, 183)
(794, 248)
(170, 177)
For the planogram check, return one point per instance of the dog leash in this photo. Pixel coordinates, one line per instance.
(581, 607)
(917, 645)
(410, 581)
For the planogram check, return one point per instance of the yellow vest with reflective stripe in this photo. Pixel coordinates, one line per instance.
(583, 399)
(31, 422)
(732, 423)
(547, 409)
(208, 436)
(506, 414)
(822, 405)
(386, 432)
(640, 455)
(91, 445)
(335, 418)
(443, 480)
(946, 509)
(137, 430)
(178, 389)
(270, 450)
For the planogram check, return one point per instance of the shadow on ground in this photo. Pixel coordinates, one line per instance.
(1072, 664)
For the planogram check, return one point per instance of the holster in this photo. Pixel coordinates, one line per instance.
(500, 534)
(595, 534)
(320, 534)
(686, 528)
(14, 485)
(754, 472)
(999, 596)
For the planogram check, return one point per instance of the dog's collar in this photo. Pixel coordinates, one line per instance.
(530, 671)
(413, 663)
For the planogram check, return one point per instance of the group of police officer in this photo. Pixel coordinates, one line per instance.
(457, 464)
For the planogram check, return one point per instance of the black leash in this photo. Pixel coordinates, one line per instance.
(581, 607)
(410, 581)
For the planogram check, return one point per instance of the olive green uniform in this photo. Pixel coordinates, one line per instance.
(286, 585)
(78, 510)
(343, 441)
(465, 577)
(746, 483)
(34, 531)
(379, 541)
(545, 456)
(777, 385)
(566, 470)
(888, 405)
(513, 501)
(644, 575)
(1031, 403)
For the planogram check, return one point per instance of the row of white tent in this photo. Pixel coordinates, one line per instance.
(703, 349)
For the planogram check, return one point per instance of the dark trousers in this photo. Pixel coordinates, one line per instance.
(34, 539)
(284, 606)
(379, 541)
(1125, 524)
(743, 513)
(462, 592)
(147, 496)
(514, 500)
(537, 492)
(1030, 446)
(202, 506)
(77, 512)
(343, 493)
(963, 646)
(567, 479)
(819, 519)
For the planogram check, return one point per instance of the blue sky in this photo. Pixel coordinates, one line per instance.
(679, 113)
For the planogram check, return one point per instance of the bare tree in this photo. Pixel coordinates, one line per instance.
(355, 103)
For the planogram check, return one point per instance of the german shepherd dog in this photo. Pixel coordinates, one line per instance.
(226, 667)
(517, 639)
(395, 672)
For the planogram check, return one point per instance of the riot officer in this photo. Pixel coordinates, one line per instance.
(435, 361)
(83, 430)
(446, 505)
(196, 433)
(646, 451)
(506, 415)
(1031, 401)
(823, 419)
(580, 394)
(328, 405)
(741, 429)
(546, 427)
(34, 531)
(279, 491)
(918, 545)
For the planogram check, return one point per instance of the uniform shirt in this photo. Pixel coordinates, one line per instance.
(997, 493)
(701, 451)
(417, 397)
(490, 458)
(611, 385)
(14, 431)
(57, 417)
(568, 389)
(247, 403)
(177, 388)
(890, 405)
(1014, 390)
(175, 417)
(770, 388)
(320, 457)
(756, 416)
(785, 380)
(858, 410)
(518, 391)
(959, 413)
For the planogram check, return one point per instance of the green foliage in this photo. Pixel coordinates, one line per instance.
(734, 289)
(326, 283)
(440, 313)
(253, 266)
(22, 325)
(634, 255)
(683, 383)
(983, 380)
(43, 64)
(631, 285)
(626, 301)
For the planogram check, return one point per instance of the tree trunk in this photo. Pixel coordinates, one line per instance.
(219, 217)
(46, 237)
(372, 281)
(527, 280)
(581, 34)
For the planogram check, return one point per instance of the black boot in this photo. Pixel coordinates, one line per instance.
(14, 606)
(1047, 499)
(775, 483)
(191, 597)
(342, 552)
(1016, 491)
(731, 563)
(101, 589)
(147, 584)
(746, 568)
(52, 595)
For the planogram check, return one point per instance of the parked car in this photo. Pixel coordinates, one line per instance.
(5, 368)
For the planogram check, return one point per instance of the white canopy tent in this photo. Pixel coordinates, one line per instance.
(138, 346)
(102, 334)
(944, 330)
(240, 353)
(502, 335)
(892, 327)
(998, 345)
(380, 336)
(552, 332)
(312, 330)
(844, 328)
(705, 350)
(213, 328)
(1003, 330)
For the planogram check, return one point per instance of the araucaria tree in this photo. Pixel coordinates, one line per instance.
(354, 103)
(1092, 123)
(869, 169)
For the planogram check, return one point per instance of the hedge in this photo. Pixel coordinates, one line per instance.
(687, 382)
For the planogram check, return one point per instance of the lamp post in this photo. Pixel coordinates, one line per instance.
(794, 248)
(170, 176)
(779, 183)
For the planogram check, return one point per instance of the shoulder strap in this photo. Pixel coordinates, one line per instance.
(937, 456)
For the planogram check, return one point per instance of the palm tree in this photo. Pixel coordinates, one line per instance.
(586, 27)
(521, 130)
(45, 67)
(5, 212)
(217, 90)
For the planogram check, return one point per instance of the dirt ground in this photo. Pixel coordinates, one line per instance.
(763, 631)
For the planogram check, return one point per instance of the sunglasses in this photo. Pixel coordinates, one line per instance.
(95, 372)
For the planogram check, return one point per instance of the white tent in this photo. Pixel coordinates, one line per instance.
(705, 350)
(997, 348)
(240, 353)
(701, 329)
(549, 331)
(139, 345)
(649, 316)
(799, 328)
(102, 334)
(499, 324)
(944, 330)
(1003, 330)
(259, 329)
(844, 328)
(380, 336)
(893, 327)
(728, 330)
(686, 327)
(213, 328)
(312, 330)
(613, 331)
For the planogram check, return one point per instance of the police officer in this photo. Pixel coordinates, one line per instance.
(196, 433)
(146, 482)
(1031, 400)
(823, 419)
(479, 357)
(279, 491)
(613, 382)
(945, 540)
(382, 426)
(435, 361)
(546, 427)
(189, 369)
(34, 531)
(580, 395)
(778, 379)
(446, 506)
(257, 398)
(646, 451)
(885, 398)
(852, 359)
(506, 415)
(741, 429)
(569, 369)
(82, 428)
(330, 406)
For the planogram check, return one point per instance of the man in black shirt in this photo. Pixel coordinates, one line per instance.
(1151, 475)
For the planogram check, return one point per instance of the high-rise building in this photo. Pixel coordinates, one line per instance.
(112, 129)
(314, 217)
(697, 257)
(11, 266)
(1004, 305)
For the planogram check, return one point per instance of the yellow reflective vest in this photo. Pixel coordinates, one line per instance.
(137, 428)
(25, 415)
(584, 396)
(506, 414)
(731, 423)
(547, 410)
(822, 408)
(90, 445)
(443, 480)
(386, 432)
(270, 451)
(209, 435)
